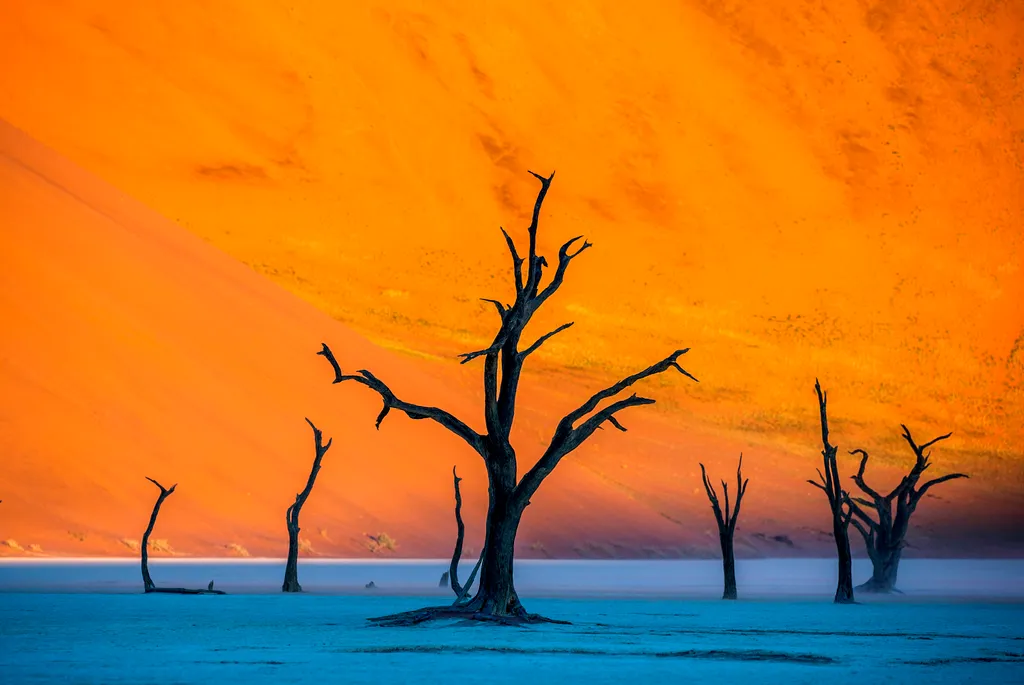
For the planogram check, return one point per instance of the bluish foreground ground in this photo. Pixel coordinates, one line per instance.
(123, 636)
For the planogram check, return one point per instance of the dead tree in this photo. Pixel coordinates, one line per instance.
(453, 570)
(727, 524)
(838, 502)
(503, 359)
(886, 537)
(147, 580)
(291, 516)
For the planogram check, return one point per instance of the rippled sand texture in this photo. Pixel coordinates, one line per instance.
(790, 190)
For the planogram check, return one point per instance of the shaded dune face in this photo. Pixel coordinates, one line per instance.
(792, 193)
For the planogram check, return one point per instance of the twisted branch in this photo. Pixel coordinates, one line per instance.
(413, 411)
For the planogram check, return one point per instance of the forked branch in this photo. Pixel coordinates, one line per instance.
(726, 518)
(413, 411)
(669, 362)
(565, 255)
(568, 436)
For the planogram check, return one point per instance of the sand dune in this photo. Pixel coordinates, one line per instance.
(791, 190)
(132, 348)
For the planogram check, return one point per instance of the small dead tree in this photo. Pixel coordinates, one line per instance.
(453, 570)
(885, 535)
(291, 569)
(496, 598)
(147, 580)
(838, 502)
(727, 523)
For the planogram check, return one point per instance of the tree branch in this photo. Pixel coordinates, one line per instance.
(919, 493)
(470, 356)
(922, 458)
(502, 309)
(861, 514)
(163, 491)
(568, 436)
(868, 534)
(847, 516)
(517, 261)
(321, 450)
(566, 424)
(830, 479)
(413, 411)
(540, 341)
(712, 497)
(564, 257)
(741, 489)
(535, 264)
(859, 478)
(587, 428)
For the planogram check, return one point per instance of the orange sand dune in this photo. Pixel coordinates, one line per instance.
(793, 189)
(132, 348)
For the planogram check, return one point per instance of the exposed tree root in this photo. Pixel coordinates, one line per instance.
(460, 613)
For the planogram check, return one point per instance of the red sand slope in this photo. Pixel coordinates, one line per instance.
(132, 348)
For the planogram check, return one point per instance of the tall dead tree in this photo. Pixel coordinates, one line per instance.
(453, 569)
(838, 502)
(147, 580)
(727, 523)
(496, 598)
(885, 535)
(291, 516)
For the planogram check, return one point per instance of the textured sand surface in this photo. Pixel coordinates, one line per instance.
(790, 190)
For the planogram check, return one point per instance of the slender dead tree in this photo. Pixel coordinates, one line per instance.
(727, 523)
(453, 570)
(291, 516)
(838, 502)
(147, 580)
(496, 598)
(885, 535)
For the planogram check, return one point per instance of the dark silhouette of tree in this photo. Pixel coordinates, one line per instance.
(291, 516)
(453, 570)
(147, 580)
(496, 598)
(727, 523)
(838, 502)
(886, 537)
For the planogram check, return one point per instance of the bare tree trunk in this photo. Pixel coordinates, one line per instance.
(291, 569)
(496, 598)
(727, 524)
(837, 500)
(885, 567)
(728, 566)
(844, 588)
(147, 580)
(453, 568)
(497, 592)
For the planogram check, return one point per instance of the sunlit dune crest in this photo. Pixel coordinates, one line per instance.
(790, 190)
